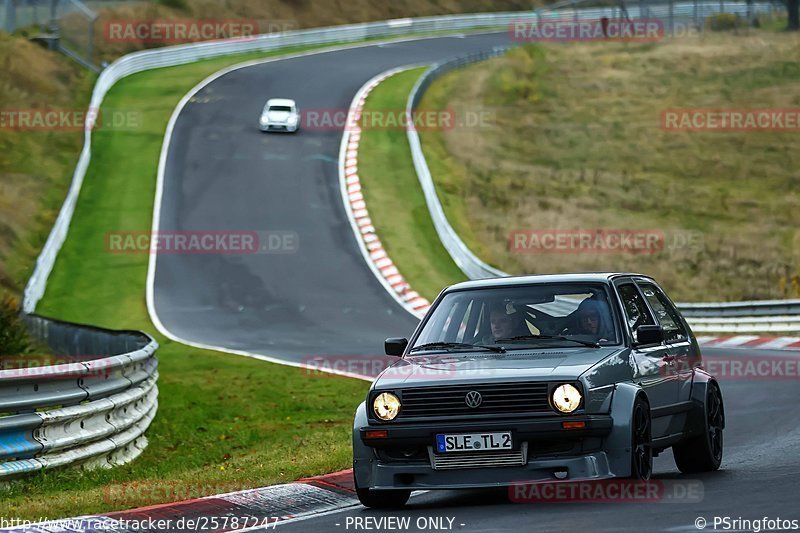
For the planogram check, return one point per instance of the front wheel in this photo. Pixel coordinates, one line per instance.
(704, 452)
(383, 499)
(641, 441)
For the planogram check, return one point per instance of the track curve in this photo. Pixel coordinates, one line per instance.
(221, 173)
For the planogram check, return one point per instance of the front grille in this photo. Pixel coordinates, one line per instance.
(497, 398)
(457, 461)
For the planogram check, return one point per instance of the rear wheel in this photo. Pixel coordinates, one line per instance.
(704, 452)
(641, 442)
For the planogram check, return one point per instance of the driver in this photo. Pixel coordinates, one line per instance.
(505, 325)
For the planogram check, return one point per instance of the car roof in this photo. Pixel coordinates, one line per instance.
(510, 281)
(280, 101)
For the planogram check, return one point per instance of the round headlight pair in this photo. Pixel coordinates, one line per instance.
(386, 406)
(566, 398)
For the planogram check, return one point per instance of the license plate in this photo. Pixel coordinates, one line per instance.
(473, 442)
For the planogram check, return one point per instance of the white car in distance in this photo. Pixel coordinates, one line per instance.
(280, 114)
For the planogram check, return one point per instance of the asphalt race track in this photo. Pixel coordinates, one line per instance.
(222, 173)
(322, 300)
(758, 479)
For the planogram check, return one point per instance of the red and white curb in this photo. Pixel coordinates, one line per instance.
(372, 248)
(751, 341)
(254, 509)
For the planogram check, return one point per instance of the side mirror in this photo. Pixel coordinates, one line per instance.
(649, 335)
(395, 345)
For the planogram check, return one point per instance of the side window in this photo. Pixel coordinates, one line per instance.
(666, 314)
(636, 311)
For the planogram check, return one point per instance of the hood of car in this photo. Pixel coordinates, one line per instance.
(483, 367)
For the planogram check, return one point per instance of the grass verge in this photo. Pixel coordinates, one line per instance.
(225, 422)
(394, 196)
(576, 142)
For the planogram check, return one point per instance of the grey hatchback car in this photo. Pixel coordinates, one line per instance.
(533, 379)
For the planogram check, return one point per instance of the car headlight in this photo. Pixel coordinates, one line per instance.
(566, 398)
(292, 120)
(263, 120)
(386, 406)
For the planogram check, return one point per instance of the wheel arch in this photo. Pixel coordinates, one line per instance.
(618, 444)
(363, 455)
(701, 381)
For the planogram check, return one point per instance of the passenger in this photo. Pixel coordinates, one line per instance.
(592, 321)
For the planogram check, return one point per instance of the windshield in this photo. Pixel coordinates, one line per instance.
(563, 314)
(285, 108)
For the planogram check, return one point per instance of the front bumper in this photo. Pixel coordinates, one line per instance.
(406, 458)
(278, 126)
(421, 477)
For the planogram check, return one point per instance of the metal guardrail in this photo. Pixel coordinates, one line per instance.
(758, 324)
(468, 262)
(753, 308)
(756, 316)
(92, 409)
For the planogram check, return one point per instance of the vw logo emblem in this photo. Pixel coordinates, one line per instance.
(473, 399)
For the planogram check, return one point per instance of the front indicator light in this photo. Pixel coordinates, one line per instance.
(566, 398)
(386, 406)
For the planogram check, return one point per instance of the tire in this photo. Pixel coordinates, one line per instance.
(704, 452)
(641, 441)
(383, 499)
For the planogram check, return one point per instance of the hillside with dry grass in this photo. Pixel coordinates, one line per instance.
(574, 141)
(35, 166)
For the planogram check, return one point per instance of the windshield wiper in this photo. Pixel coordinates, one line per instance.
(446, 345)
(548, 337)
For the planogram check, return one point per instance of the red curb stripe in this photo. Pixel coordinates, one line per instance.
(758, 342)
